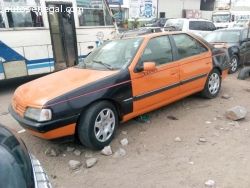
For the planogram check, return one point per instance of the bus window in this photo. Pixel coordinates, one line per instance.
(93, 14)
(24, 14)
(232, 18)
(2, 24)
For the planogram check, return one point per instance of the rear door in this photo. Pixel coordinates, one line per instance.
(195, 63)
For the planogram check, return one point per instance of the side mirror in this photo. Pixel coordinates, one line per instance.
(147, 66)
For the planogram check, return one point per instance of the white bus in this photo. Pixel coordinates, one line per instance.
(227, 18)
(42, 36)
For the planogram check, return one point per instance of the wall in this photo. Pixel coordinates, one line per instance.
(174, 10)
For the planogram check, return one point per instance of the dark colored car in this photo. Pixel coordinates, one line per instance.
(19, 168)
(121, 79)
(156, 22)
(160, 22)
(149, 23)
(235, 40)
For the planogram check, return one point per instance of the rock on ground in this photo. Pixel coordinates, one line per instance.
(177, 139)
(236, 113)
(210, 183)
(77, 152)
(91, 162)
(107, 151)
(74, 164)
(51, 151)
(69, 149)
(124, 142)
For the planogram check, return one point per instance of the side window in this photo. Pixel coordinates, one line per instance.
(201, 48)
(210, 26)
(203, 26)
(244, 34)
(158, 50)
(186, 46)
(25, 14)
(93, 13)
(194, 25)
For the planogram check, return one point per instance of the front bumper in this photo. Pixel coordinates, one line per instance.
(44, 127)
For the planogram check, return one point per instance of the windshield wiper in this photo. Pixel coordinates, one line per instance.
(105, 64)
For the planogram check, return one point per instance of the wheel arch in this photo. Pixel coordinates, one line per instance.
(112, 101)
(219, 69)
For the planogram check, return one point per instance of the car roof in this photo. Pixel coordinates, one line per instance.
(150, 35)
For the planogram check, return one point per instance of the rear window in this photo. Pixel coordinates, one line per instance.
(198, 25)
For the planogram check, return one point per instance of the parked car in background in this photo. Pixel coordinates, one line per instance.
(235, 39)
(150, 23)
(160, 22)
(19, 168)
(119, 80)
(241, 23)
(200, 27)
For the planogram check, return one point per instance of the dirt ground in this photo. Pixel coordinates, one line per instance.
(153, 158)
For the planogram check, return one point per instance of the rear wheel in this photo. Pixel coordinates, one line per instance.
(97, 125)
(212, 86)
(234, 64)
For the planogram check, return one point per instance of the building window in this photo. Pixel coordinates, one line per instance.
(23, 13)
(93, 13)
(162, 14)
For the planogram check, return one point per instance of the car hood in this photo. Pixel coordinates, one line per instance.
(37, 92)
(231, 44)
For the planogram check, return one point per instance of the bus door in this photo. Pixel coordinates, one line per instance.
(63, 34)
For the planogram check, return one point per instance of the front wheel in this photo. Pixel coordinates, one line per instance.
(212, 86)
(97, 125)
(234, 64)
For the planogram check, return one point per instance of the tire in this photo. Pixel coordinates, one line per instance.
(212, 86)
(234, 62)
(244, 73)
(97, 125)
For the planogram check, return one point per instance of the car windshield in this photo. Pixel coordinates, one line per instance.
(112, 55)
(178, 24)
(223, 36)
(221, 18)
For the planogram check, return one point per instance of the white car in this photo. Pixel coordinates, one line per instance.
(200, 27)
(241, 23)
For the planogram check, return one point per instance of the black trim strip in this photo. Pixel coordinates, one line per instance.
(126, 101)
(63, 139)
(193, 78)
(139, 97)
(136, 98)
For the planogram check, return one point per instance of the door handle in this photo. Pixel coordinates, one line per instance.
(173, 72)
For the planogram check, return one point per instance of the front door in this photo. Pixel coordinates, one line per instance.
(63, 34)
(151, 89)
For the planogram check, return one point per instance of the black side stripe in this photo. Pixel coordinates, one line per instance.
(136, 98)
(193, 78)
(139, 97)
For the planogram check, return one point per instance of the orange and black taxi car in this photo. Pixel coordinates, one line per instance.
(121, 79)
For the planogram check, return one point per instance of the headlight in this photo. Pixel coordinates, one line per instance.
(38, 114)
